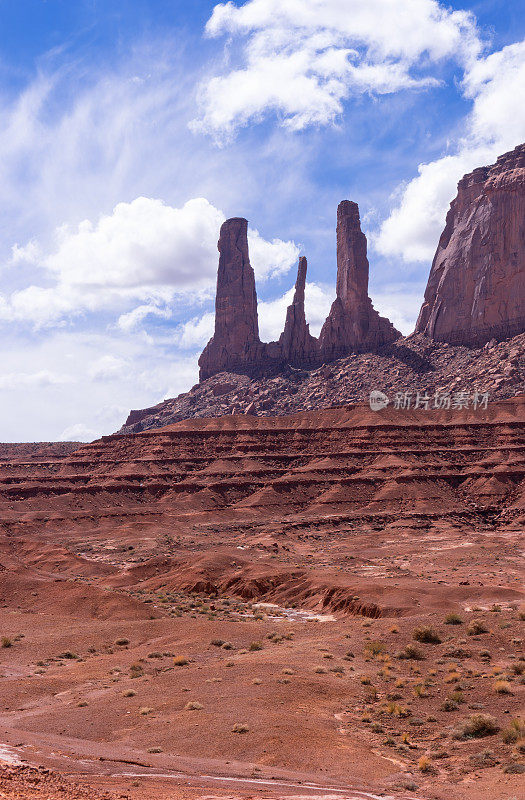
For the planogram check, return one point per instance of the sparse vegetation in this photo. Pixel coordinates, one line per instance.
(426, 635)
(453, 619)
(255, 646)
(6, 641)
(240, 727)
(503, 687)
(424, 764)
(375, 648)
(412, 652)
(193, 705)
(122, 642)
(477, 726)
(477, 627)
(180, 661)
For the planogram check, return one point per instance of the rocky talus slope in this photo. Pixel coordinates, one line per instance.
(408, 365)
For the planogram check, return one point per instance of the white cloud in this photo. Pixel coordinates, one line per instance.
(302, 58)
(195, 333)
(32, 380)
(108, 367)
(496, 84)
(79, 432)
(144, 251)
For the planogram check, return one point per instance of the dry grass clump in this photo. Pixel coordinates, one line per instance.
(255, 646)
(476, 727)
(68, 655)
(477, 627)
(426, 635)
(193, 705)
(395, 710)
(240, 727)
(122, 642)
(129, 693)
(180, 661)
(453, 619)
(375, 648)
(136, 671)
(514, 732)
(503, 687)
(320, 670)
(6, 641)
(411, 651)
(424, 764)
(144, 711)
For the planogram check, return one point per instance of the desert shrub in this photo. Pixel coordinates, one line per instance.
(514, 732)
(426, 635)
(411, 651)
(68, 654)
(365, 680)
(180, 661)
(6, 641)
(217, 642)
(518, 668)
(155, 654)
(227, 646)
(375, 648)
(240, 727)
(154, 749)
(320, 670)
(129, 693)
(453, 619)
(136, 671)
(503, 687)
(122, 642)
(420, 691)
(254, 646)
(193, 705)
(396, 710)
(424, 764)
(476, 627)
(81, 704)
(477, 726)
(144, 711)
(449, 705)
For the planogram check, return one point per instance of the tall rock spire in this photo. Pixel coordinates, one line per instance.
(298, 346)
(353, 323)
(235, 343)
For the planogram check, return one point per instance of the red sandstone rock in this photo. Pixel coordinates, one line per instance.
(298, 346)
(476, 288)
(235, 343)
(353, 324)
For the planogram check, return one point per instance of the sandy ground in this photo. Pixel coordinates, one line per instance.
(266, 612)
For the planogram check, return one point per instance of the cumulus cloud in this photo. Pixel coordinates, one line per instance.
(301, 60)
(495, 84)
(144, 251)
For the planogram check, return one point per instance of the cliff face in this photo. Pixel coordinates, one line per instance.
(353, 325)
(476, 288)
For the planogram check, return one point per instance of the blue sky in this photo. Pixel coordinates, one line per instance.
(132, 128)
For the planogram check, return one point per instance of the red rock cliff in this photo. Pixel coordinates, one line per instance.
(476, 288)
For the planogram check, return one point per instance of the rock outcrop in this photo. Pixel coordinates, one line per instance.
(353, 324)
(476, 288)
(298, 346)
(235, 344)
